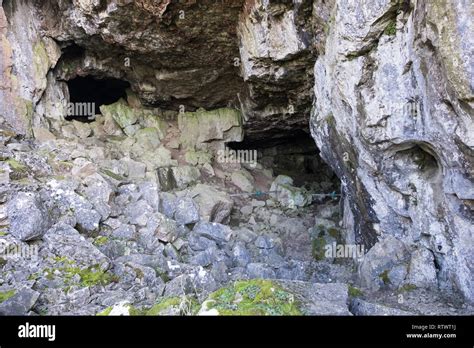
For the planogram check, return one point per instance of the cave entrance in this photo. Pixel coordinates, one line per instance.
(297, 156)
(88, 94)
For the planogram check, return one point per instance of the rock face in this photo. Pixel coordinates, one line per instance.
(393, 117)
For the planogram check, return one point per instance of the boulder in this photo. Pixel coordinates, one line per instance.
(20, 303)
(243, 180)
(186, 211)
(214, 231)
(214, 205)
(29, 218)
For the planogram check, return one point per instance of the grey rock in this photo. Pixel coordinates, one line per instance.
(422, 270)
(163, 228)
(200, 243)
(149, 192)
(65, 241)
(319, 299)
(403, 132)
(243, 180)
(385, 265)
(87, 220)
(241, 256)
(214, 205)
(264, 242)
(361, 307)
(214, 231)
(184, 176)
(204, 258)
(99, 192)
(124, 231)
(260, 270)
(186, 211)
(179, 286)
(138, 213)
(20, 303)
(28, 217)
(168, 204)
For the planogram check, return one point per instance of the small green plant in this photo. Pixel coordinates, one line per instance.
(384, 277)
(100, 241)
(354, 292)
(391, 28)
(407, 288)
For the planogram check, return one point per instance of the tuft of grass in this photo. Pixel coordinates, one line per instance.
(407, 288)
(384, 277)
(391, 28)
(100, 241)
(354, 292)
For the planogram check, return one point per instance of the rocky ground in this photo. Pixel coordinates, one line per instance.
(136, 213)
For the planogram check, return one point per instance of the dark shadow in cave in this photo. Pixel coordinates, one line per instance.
(296, 156)
(87, 94)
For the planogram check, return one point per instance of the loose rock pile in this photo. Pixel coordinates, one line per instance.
(132, 214)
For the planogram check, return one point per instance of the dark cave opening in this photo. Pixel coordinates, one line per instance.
(297, 156)
(87, 94)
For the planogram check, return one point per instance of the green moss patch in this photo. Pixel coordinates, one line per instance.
(253, 297)
(89, 276)
(184, 305)
(5, 295)
(105, 312)
(18, 169)
(164, 305)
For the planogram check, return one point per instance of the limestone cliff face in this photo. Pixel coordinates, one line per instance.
(386, 87)
(393, 116)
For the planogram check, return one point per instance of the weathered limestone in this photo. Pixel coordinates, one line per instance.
(393, 118)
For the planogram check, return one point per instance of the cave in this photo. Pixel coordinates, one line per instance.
(295, 155)
(88, 94)
(220, 153)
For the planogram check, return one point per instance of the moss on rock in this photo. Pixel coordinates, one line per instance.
(253, 297)
(184, 305)
(5, 295)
